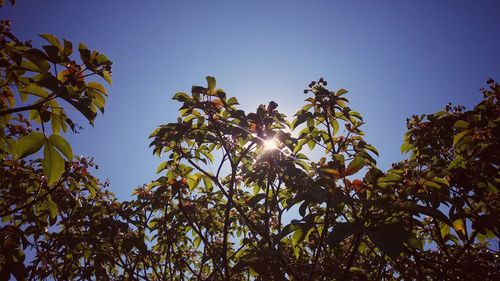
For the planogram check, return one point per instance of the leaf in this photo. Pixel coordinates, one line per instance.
(459, 227)
(207, 182)
(390, 238)
(311, 144)
(30, 66)
(29, 144)
(286, 231)
(52, 40)
(38, 58)
(431, 184)
(356, 164)
(405, 147)
(101, 59)
(333, 172)
(256, 199)
(84, 52)
(388, 179)
(56, 123)
(52, 208)
(461, 124)
(444, 229)
(52, 164)
(211, 85)
(299, 235)
(98, 87)
(197, 242)
(232, 101)
(182, 97)
(441, 181)
(68, 48)
(161, 167)
(107, 76)
(335, 125)
(62, 145)
(413, 207)
(340, 232)
(35, 90)
(299, 145)
(11, 146)
(53, 53)
(458, 137)
(341, 92)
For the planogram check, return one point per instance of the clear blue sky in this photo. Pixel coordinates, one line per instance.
(396, 57)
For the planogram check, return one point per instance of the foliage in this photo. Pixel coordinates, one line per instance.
(52, 208)
(237, 197)
(226, 207)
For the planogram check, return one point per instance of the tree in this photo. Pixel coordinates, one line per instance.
(52, 206)
(237, 197)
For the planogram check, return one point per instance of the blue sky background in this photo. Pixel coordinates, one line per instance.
(396, 58)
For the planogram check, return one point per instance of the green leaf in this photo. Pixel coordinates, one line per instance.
(335, 126)
(372, 149)
(56, 123)
(389, 178)
(161, 167)
(52, 164)
(181, 96)
(333, 172)
(405, 147)
(459, 227)
(211, 85)
(390, 238)
(341, 92)
(461, 124)
(39, 59)
(98, 87)
(52, 40)
(444, 229)
(252, 202)
(300, 233)
(11, 146)
(107, 76)
(29, 144)
(197, 242)
(207, 182)
(441, 181)
(152, 224)
(311, 144)
(30, 66)
(35, 90)
(340, 232)
(431, 184)
(84, 53)
(101, 59)
(62, 145)
(52, 208)
(232, 101)
(356, 164)
(458, 137)
(68, 48)
(413, 207)
(299, 145)
(286, 231)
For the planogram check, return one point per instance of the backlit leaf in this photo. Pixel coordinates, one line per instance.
(356, 164)
(52, 164)
(52, 40)
(62, 145)
(29, 144)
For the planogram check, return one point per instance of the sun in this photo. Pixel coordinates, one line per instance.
(271, 144)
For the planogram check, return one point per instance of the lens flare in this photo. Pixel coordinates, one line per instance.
(271, 144)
